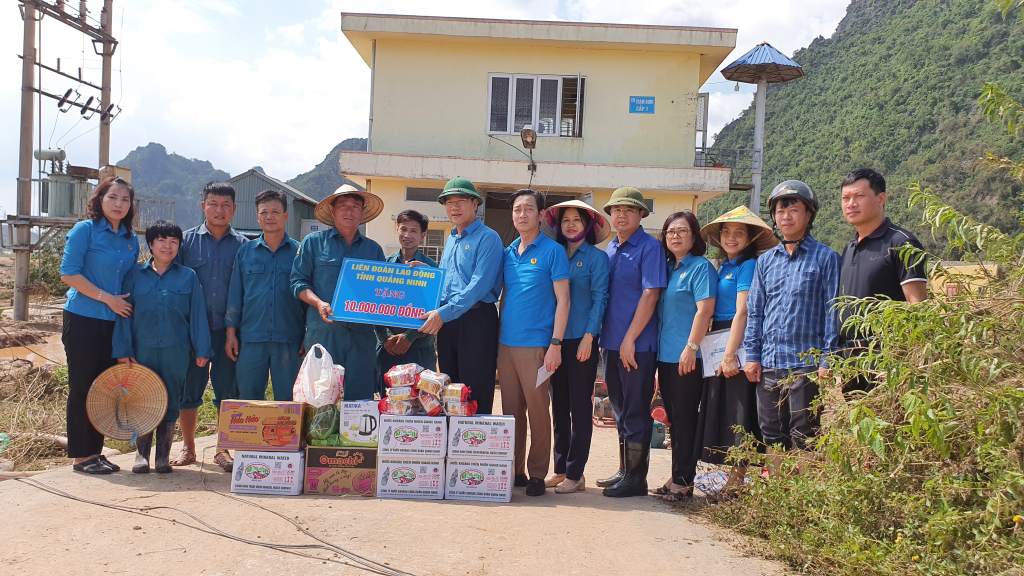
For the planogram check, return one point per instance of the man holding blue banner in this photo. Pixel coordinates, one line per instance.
(314, 279)
(466, 324)
(397, 346)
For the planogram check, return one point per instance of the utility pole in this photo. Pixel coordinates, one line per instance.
(24, 231)
(106, 17)
(755, 179)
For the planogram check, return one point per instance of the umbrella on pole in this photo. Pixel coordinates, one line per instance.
(762, 65)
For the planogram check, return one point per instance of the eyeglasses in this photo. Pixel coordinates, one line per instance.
(680, 232)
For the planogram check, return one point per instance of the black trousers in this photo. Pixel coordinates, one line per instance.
(467, 351)
(631, 393)
(784, 410)
(572, 405)
(88, 345)
(681, 395)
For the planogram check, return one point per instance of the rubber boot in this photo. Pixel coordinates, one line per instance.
(634, 482)
(164, 438)
(615, 478)
(144, 443)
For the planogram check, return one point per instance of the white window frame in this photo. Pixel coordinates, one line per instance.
(535, 120)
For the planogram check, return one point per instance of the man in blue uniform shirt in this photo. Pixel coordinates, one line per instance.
(210, 250)
(466, 324)
(315, 278)
(396, 346)
(261, 305)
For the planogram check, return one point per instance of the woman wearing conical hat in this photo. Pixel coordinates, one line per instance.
(729, 397)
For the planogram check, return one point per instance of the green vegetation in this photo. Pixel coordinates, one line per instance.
(46, 269)
(925, 474)
(894, 89)
(323, 180)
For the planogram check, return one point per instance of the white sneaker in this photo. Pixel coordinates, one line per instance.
(554, 480)
(569, 486)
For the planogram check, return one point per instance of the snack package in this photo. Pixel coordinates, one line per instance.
(402, 375)
(432, 382)
(455, 393)
(400, 407)
(398, 393)
(460, 408)
(431, 405)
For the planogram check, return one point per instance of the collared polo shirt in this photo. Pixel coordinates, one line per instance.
(635, 265)
(168, 311)
(95, 251)
(873, 268)
(691, 280)
(472, 264)
(789, 306)
(528, 314)
(588, 291)
(260, 300)
(733, 278)
(318, 266)
(212, 261)
(417, 338)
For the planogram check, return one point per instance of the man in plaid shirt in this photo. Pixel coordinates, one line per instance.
(790, 315)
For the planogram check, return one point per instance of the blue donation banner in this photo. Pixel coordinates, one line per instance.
(372, 292)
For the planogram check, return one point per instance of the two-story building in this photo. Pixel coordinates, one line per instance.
(613, 105)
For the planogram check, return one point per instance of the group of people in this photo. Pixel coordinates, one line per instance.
(211, 306)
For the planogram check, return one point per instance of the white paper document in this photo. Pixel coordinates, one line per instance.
(542, 375)
(712, 351)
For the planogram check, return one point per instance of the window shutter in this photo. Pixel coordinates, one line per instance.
(500, 88)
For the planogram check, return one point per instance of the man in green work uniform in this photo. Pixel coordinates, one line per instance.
(315, 276)
(397, 346)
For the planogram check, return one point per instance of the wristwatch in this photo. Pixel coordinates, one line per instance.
(556, 342)
(692, 346)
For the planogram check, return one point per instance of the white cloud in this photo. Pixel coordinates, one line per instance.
(197, 79)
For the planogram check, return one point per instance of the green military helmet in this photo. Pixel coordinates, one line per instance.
(627, 196)
(460, 186)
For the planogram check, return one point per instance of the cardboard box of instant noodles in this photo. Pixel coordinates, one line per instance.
(340, 471)
(261, 425)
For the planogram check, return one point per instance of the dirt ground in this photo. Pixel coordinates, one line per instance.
(581, 533)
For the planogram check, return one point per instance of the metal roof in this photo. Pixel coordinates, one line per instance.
(763, 60)
(275, 182)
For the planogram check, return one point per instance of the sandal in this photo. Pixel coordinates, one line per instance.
(113, 467)
(663, 491)
(686, 494)
(185, 457)
(224, 460)
(92, 466)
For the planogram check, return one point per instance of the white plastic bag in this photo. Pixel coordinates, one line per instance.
(320, 380)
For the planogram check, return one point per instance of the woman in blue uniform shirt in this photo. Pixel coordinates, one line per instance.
(578, 227)
(684, 309)
(168, 327)
(98, 252)
(730, 399)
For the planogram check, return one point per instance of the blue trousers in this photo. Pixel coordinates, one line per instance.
(256, 359)
(352, 346)
(171, 364)
(631, 393)
(219, 371)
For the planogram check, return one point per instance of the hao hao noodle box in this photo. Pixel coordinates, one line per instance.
(381, 293)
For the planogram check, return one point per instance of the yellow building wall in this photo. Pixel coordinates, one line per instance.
(431, 99)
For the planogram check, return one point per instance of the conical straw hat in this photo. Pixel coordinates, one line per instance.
(124, 403)
(764, 240)
(372, 205)
(549, 220)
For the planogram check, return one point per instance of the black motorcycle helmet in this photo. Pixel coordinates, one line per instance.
(798, 190)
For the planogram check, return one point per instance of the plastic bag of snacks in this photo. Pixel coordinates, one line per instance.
(455, 393)
(432, 382)
(431, 405)
(397, 393)
(460, 408)
(402, 375)
(399, 407)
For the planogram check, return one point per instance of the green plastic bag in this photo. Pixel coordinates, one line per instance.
(322, 424)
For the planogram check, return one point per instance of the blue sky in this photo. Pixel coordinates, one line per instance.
(276, 84)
